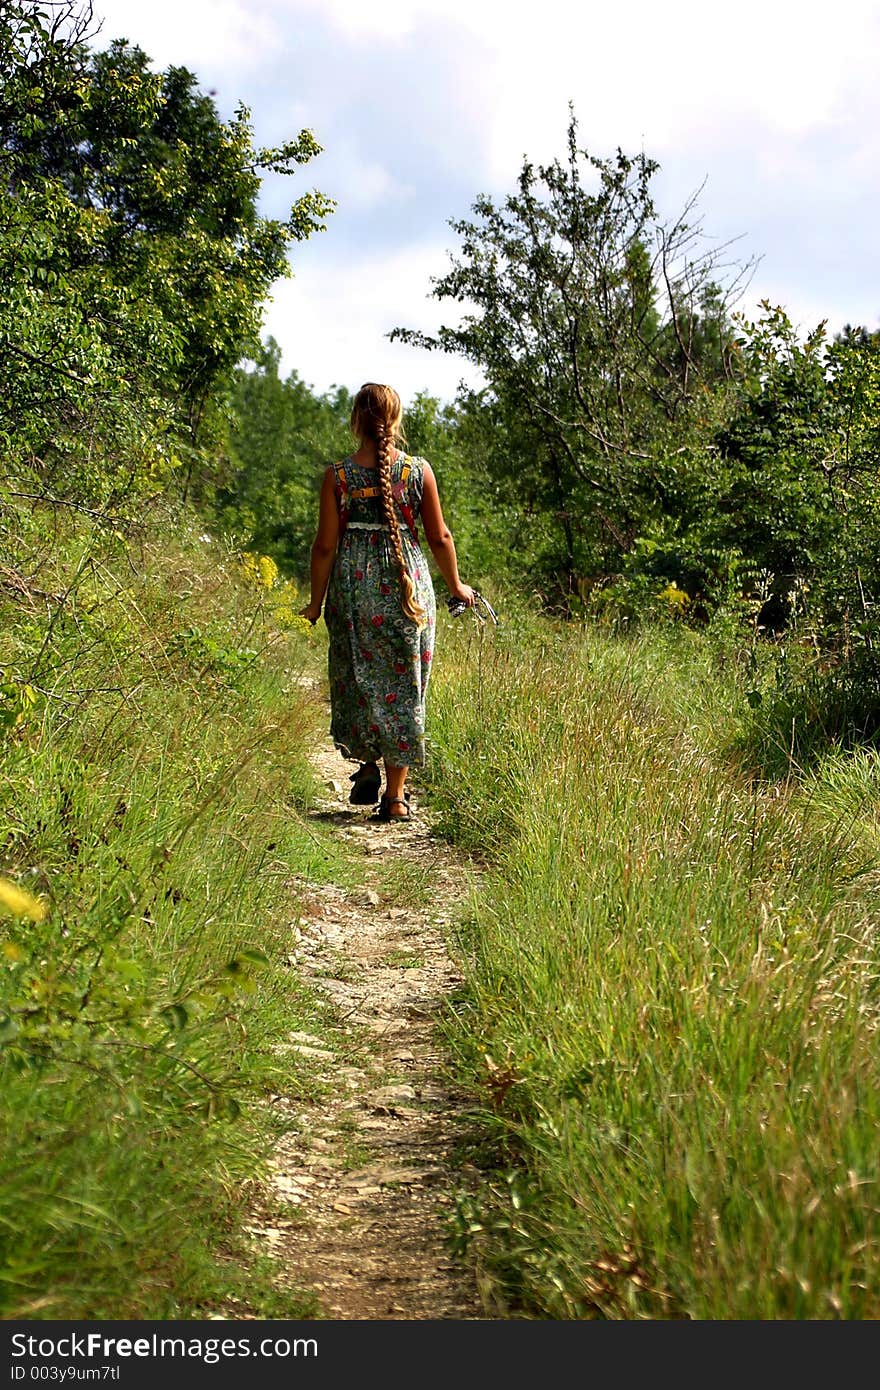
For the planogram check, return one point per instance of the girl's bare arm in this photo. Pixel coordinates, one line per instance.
(439, 538)
(323, 548)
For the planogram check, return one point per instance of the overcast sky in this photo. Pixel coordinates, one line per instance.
(420, 105)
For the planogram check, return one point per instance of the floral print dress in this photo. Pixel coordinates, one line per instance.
(379, 659)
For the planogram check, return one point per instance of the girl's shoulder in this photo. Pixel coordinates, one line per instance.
(417, 464)
(412, 473)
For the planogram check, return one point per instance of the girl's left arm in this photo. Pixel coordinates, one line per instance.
(323, 548)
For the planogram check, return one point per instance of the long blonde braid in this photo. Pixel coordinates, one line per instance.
(376, 415)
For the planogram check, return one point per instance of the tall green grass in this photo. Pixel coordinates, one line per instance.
(152, 783)
(672, 993)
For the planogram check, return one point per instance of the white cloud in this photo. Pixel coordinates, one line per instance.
(640, 69)
(332, 324)
(422, 104)
(365, 183)
(208, 36)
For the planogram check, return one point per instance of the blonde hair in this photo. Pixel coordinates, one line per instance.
(377, 415)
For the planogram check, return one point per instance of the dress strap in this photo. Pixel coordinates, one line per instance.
(345, 495)
(402, 502)
(398, 488)
(341, 490)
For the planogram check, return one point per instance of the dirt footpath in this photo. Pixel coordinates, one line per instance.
(369, 1168)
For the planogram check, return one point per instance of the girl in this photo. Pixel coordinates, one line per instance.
(380, 609)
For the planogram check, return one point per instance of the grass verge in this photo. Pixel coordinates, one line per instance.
(672, 995)
(157, 708)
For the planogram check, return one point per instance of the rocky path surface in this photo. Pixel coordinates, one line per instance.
(369, 1168)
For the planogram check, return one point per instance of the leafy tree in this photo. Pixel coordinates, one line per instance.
(795, 489)
(599, 329)
(133, 261)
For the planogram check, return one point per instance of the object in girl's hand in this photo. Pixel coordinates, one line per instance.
(482, 609)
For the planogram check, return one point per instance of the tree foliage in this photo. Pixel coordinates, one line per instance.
(599, 328)
(282, 439)
(133, 260)
(650, 450)
(796, 488)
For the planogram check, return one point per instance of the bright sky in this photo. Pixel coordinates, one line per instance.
(420, 105)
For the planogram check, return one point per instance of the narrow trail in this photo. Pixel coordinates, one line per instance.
(369, 1167)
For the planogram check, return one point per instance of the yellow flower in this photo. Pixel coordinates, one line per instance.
(677, 599)
(20, 903)
(260, 570)
(248, 565)
(268, 572)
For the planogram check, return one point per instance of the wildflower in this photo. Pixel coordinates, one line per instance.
(377, 620)
(677, 599)
(268, 571)
(20, 903)
(248, 566)
(390, 697)
(260, 570)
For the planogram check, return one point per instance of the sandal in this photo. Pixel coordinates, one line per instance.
(385, 804)
(365, 785)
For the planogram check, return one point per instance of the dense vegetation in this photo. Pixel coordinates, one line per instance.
(134, 262)
(670, 1004)
(640, 450)
(153, 754)
(150, 799)
(673, 972)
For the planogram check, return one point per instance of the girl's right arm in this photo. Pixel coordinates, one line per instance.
(324, 547)
(439, 538)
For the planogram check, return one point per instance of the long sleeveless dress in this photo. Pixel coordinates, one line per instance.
(379, 659)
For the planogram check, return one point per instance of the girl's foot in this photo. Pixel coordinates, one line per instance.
(393, 808)
(365, 785)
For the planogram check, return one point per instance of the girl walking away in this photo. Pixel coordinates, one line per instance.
(380, 610)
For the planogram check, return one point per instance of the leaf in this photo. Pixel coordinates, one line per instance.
(692, 1175)
(9, 1029)
(176, 1016)
(253, 956)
